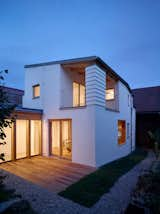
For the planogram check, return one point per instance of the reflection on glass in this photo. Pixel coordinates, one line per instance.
(35, 137)
(21, 138)
(56, 137)
(66, 139)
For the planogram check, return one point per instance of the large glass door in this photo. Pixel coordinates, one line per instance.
(61, 138)
(22, 135)
(56, 138)
(35, 137)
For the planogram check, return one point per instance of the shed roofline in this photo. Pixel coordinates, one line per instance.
(91, 59)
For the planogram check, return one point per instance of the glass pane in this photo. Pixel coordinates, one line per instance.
(35, 137)
(56, 137)
(121, 131)
(82, 95)
(66, 139)
(21, 138)
(7, 147)
(36, 91)
(75, 94)
(109, 94)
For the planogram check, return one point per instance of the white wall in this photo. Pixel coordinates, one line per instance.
(107, 148)
(50, 79)
(94, 129)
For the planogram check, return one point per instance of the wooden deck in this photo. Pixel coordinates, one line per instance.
(53, 174)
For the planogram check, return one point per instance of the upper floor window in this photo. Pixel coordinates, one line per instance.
(121, 132)
(110, 94)
(36, 91)
(79, 97)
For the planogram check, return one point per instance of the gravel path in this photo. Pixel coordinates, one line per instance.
(46, 202)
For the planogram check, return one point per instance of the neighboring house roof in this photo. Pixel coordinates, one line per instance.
(147, 100)
(14, 95)
(84, 61)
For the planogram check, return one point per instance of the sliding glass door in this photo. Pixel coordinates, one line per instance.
(22, 136)
(56, 138)
(35, 137)
(61, 138)
(28, 138)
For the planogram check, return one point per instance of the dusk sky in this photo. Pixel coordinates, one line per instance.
(125, 34)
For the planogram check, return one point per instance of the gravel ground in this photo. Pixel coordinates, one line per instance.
(46, 202)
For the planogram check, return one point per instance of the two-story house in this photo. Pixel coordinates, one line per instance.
(79, 109)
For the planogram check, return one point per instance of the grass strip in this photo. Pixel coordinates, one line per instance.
(88, 190)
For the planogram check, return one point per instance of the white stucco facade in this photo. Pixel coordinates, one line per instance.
(94, 127)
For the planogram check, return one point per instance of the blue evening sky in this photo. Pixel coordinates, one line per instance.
(124, 33)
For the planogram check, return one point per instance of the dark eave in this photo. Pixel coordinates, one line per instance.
(63, 62)
(28, 110)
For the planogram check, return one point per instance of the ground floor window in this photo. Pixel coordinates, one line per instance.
(121, 132)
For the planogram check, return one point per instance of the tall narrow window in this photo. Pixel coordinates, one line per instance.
(121, 132)
(36, 91)
(78, 94)
(82, 95)
(110, 94)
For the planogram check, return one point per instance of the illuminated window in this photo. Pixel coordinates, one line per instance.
(78, 94)
(36, 91)
(121, 132)
(35, 134)
(110, 94)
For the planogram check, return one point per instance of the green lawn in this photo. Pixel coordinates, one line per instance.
(89, 189)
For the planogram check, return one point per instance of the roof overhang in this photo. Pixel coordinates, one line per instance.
(82, 63)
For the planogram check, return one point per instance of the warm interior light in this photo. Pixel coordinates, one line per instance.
(78, 94)
(36, 91)
(121, 131)
(110, 94)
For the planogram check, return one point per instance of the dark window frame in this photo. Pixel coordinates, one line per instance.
(33, 91)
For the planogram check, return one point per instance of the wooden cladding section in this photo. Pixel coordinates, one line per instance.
(95, 86)
(121, 132)
(27, 115)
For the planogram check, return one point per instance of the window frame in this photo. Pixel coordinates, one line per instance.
(113, 94)
(33, 91)
(79, 94)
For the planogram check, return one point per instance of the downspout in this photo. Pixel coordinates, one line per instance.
(131, 127)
